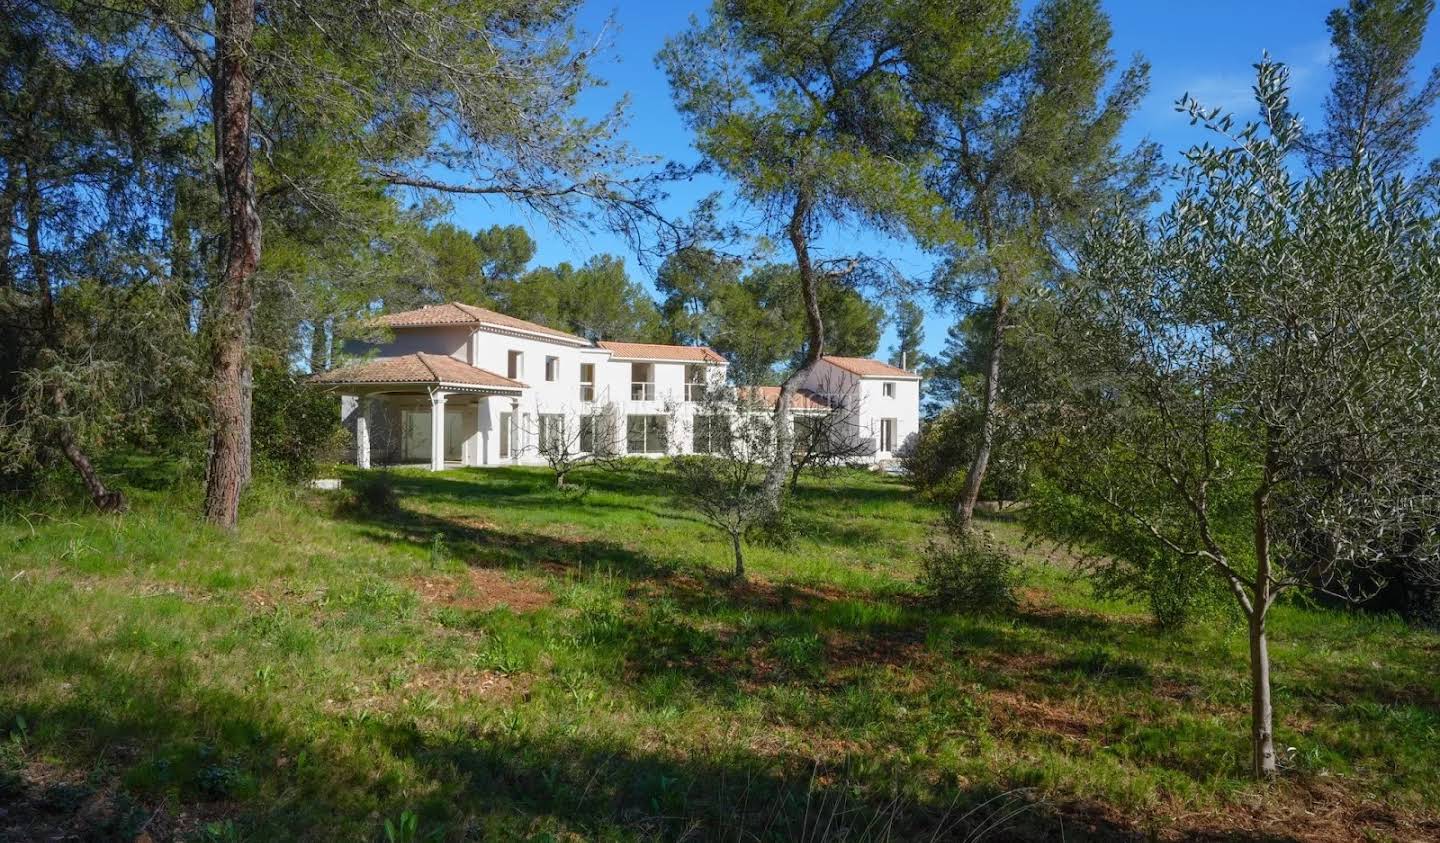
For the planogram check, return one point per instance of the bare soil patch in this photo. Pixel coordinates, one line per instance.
(471, 684)
(482, 589)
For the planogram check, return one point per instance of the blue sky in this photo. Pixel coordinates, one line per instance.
(1206, 48)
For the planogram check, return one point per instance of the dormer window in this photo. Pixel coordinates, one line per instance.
(887, 389)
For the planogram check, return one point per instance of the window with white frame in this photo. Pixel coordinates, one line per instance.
(695, 381)
(515, 368)
(642, 381)
(887, 389)
(587, 381)
(711, 432)
(645, 434)
(552, 369)
(552, 433)
(587, 434)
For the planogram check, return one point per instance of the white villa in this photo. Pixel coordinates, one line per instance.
(463, 385)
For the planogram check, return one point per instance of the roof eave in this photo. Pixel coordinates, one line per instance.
(446, 386)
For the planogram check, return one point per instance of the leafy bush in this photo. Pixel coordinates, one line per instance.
(936, 461)
(372, 493)
(294, 427)
(969, 572)
(778, 529)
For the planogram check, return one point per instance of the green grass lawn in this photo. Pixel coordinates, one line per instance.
(502, 660)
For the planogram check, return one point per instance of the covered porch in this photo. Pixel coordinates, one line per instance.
(426, 409)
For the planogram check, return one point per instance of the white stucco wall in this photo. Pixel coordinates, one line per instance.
(480, 416)
(865, 399)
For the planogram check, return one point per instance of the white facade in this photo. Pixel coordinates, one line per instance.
(880, 406)
(496, 422)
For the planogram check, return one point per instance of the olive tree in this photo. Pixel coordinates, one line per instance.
(571, 440)
(1248, 382)
(733, 441)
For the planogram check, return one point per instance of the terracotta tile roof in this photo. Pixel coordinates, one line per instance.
(455, 313)
(867, 368)
(415, 368)
(804, 401)
(655, 351)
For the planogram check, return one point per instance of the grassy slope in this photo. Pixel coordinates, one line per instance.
(319, 673)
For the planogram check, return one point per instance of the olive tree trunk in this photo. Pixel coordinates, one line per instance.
(1262, 715)
(229, 468)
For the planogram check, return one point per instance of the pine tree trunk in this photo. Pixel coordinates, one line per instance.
(105, 500)
(319, 360)
(989, 404)
(229, 468)
(779, 468)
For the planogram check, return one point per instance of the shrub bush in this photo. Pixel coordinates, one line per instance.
(372, 493)
(777, 530)
(968, 571)
(936, 461)
(294, 427)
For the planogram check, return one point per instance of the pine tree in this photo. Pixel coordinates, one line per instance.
(1024, 165)
(909, 336)
(815, 110)
(1373, 111)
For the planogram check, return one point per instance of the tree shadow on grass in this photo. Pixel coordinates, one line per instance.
(179, 753)
(726, 642)
(524, 489)
(479, 544)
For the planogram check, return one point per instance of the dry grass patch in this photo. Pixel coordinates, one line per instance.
(483, 589)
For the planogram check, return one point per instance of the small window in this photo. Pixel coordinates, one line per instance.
(642, 382)
(552, 369)
(695, 382)
(807, 432)
(887, 389)
(587, 381)
(587, 434)
(516, 369)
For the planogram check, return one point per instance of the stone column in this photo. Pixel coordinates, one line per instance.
(362, 433)
(437, 431)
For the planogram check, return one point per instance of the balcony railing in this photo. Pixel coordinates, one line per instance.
(695, 391)
(642, 391)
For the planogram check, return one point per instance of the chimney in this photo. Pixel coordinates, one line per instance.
(903, 355)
